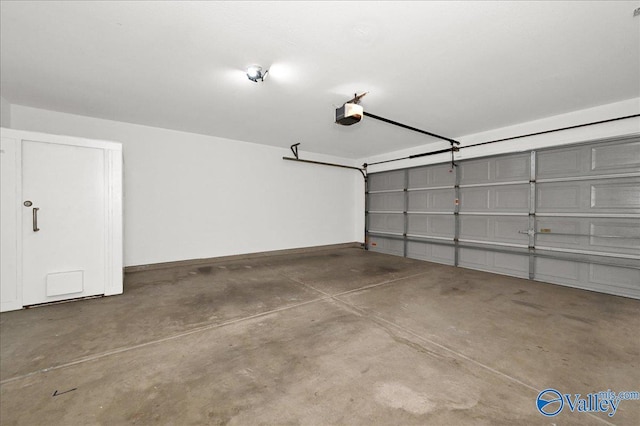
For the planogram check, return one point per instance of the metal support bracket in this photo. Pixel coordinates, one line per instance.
(454, 149)
(356, 98)
(294, 149)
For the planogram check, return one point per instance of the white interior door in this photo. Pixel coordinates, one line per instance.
(63, 222)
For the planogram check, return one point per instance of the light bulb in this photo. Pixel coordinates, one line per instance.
(253, 71)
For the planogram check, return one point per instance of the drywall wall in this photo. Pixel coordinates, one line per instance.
(600, 131)
(5, 113)
(189, 196)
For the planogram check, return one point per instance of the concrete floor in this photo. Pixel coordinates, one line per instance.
(339, 336)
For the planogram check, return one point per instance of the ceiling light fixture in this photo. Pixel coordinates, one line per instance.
(254, 73)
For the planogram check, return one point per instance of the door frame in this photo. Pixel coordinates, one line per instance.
(112, 152)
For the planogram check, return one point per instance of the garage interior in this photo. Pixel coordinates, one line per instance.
(444, 270)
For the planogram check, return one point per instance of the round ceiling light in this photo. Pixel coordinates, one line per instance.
(254, 73)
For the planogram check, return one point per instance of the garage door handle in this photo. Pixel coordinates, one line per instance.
(35, 219)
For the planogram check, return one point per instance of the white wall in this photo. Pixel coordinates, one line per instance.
(189, 196)
(192, 196)
(5, 113)
(600, 131)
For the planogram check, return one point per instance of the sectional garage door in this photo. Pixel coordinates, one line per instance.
(568, 215)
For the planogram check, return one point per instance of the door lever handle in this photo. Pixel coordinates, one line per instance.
(35, 219)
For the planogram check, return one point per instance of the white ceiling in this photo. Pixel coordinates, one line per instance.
(452, 68)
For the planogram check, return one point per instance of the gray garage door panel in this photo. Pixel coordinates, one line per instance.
(386, 181)
(386, 202)
(591, 234)
(431, 176)
(590, 160)
(386, 245)
(431, 252)
(506, 198)
(567, 215)
(493, 170)
(434, 200)
(386, 222)
(610, 279)
(616, 158)
(440, 225)
(495, 229)
(502, 263)
(591, 196)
